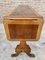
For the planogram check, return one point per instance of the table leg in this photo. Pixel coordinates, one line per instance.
(23, 47)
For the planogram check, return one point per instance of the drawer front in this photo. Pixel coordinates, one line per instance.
(23, 31)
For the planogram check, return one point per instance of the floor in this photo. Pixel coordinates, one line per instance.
(7, 47)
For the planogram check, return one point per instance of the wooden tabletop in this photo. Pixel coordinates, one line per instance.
(23, 11)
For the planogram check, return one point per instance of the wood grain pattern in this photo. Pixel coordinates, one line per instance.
(21, 31)
(23, 11)
(21, 23)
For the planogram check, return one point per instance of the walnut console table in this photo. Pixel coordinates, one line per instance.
(23, 24)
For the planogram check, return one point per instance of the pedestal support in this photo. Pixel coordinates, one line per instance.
(23, 47)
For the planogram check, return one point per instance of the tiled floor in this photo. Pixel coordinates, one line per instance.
(7, 47)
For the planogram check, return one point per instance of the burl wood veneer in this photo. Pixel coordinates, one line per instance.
(23, 24)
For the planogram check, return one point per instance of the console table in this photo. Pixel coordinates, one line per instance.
(23, 24)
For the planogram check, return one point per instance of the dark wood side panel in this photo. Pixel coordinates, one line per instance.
(22, 31)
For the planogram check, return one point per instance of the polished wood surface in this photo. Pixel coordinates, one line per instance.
(21, 31)
(23, 24)
(23, 11)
